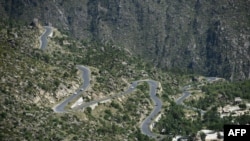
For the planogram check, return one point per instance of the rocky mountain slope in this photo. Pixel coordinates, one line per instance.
(34, 80)
(207, 37)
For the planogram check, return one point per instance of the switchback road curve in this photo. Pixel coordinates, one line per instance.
(43, 38)
(186, 94)
(60, 107)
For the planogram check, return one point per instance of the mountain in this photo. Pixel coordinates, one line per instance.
(121, 42)
(197, 36)
(34, 80)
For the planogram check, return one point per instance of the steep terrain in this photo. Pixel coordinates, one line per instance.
(206, 37)
(34, 80)
(111, 38)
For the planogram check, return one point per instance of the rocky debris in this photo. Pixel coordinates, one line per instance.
(64, 91)
(14, 34)
(93, 106)
(102, 49)
(35, 23)
(205, 37)
(78, 102)
(65, 42)
(124, 63)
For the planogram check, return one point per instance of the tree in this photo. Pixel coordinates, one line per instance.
(89, 110)
(219, 135)
(202, 136)
(65, 74)
(243, 106)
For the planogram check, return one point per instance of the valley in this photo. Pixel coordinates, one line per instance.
(123, 70)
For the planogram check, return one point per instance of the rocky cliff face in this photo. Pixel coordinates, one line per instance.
(208, 37)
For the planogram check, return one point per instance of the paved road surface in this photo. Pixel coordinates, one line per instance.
(59, 108)
(183, 97)
(152, 91)
(186, 94)
(43, 38)
(157, 109)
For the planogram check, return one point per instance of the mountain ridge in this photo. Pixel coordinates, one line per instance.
(204, 37)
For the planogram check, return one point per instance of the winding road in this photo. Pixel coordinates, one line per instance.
(149, 119)
(145, 126)
(60, 107)
(43, 38)
(186, 94)
(157, 109)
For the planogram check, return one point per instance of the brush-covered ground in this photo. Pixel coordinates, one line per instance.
(34, 80)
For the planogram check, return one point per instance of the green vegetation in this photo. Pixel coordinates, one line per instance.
(32, 78)
(229, 90)
(177, 120)
(177, 36)
(222, 93)
(175, 123)
(31, 81)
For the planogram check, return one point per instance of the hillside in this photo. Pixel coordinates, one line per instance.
(170, 46)
(205, 37)
(34, 80)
